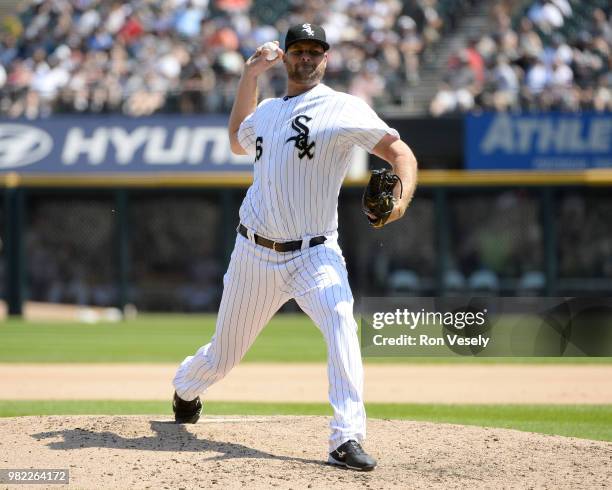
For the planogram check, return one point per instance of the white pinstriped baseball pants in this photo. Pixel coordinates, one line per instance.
(257, 283)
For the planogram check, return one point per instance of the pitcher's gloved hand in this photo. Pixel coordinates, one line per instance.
(378, 201)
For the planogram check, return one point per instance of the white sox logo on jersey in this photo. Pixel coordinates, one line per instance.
(308, 30)
(301, 139)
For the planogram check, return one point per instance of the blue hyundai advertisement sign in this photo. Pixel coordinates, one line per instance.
(547, 141)
(85, 145)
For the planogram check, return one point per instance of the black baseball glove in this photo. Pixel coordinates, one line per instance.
(378, 201)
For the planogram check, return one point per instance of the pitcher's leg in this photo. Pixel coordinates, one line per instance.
(330, 305)
(250, 298)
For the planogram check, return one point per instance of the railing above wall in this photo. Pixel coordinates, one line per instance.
(430, 178)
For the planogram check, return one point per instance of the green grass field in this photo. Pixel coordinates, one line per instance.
(288, 338)
(169, 338)
(583, 421)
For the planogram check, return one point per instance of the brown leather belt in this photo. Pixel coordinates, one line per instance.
(280, 246)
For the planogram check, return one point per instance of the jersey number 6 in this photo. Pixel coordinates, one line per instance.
(258, 147)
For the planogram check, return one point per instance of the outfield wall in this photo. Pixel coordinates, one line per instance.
(166, 248)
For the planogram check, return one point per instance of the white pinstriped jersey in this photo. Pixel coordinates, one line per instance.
(302, 147)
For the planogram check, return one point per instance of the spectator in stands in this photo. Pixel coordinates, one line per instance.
(505, 85)
(561, 75)
(602, 98)
(411, 47)
(368, 84)
(529, 42)
(557, 49)
(475, 60)
(536, 78)
(546, 15)
(433, 21)
(601, 26)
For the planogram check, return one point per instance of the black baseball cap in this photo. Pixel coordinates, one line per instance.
(306, 32)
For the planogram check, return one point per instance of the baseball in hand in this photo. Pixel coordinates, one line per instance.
(272, 50)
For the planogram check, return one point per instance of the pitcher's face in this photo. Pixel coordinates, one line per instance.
(305, 62)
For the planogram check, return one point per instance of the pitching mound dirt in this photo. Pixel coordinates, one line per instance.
(289, 452)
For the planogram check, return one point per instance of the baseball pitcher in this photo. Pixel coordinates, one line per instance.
(287, 242)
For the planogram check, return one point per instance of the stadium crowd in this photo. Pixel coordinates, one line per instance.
(145, 56)
(553, 55)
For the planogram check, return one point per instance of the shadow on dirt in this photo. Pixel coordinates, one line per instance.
(168, 437)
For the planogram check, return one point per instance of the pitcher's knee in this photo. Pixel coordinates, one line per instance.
(341, 316)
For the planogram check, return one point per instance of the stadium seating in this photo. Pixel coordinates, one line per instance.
(547, 55)
(141, 57)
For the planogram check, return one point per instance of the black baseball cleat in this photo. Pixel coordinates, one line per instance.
(186, 412)
(351, 455)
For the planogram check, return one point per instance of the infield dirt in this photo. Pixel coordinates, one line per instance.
(290, 452)
(306, 383)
